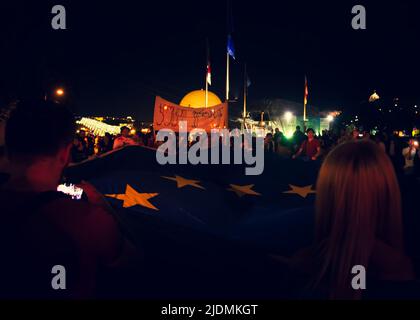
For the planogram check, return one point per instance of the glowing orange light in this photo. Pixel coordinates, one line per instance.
(59, 92)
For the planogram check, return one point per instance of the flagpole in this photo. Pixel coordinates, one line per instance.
(207, 91)
(245, 97)
(227, 76)
(207, 71)
(228, 25)
(305, 101)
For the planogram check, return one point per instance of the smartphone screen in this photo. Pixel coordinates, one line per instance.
(76, 193)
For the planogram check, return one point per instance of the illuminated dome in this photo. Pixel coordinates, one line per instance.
(197, 99)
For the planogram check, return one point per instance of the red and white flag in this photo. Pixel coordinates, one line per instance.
(208, 73)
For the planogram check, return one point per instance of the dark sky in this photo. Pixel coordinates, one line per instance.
(116, 56)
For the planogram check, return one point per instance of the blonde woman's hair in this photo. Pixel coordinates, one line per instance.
(358, 202)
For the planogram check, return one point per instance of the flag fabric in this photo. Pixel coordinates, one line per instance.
(206, 227)
(306, 91)
(216, 199)
(209, 73)
(230, 47)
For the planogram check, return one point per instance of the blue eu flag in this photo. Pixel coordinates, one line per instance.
(230, 47)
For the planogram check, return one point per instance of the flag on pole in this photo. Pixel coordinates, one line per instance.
(208, 77)
(230, 47)
(306, 91)
(209, 73)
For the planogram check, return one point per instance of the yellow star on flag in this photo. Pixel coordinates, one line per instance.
(243, 190)
(182, 182)
(132, 198)
(301, 191)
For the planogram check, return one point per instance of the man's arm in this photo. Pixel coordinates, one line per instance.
(318, 150)
(318, 153)
(117, 144)
(132, 142)
(299, 152)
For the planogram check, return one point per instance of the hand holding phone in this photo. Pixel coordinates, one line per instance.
(74, 192)
(93, 196)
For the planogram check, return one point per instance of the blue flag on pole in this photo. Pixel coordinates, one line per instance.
(248, 81)
(230, 47)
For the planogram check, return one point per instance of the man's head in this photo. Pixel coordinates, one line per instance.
(311, 133)
(297, 128)
(125, 132)
(53, 147)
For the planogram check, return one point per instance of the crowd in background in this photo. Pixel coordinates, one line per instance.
(404, 152)
(307, 146)
(86, 144)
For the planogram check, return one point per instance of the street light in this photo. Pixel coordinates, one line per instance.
(330, 118)
(59, 92)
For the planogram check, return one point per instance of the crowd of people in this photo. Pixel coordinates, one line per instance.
(307, 146)
(359, 216)
(86, 144)
(403, 152)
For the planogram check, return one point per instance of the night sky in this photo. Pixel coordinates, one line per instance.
(116, 56)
